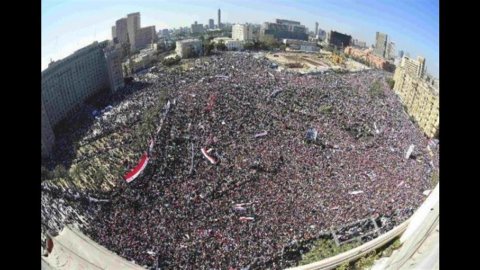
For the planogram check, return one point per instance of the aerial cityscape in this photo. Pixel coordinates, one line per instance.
(221, 143)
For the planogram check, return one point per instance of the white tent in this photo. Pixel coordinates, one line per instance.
(73, 250)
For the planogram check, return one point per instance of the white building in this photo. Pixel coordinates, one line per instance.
(188, 48)
(242, 32)
(301, 45)
(414, 68)
(232, 45)
(145, 57)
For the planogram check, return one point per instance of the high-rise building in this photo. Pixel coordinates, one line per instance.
(164, 33)
(242, 32)
(113, 59)
(219, 19)
(390, 55)
(196, 28)
(133, 24)
(359, 44)
(412, 67)
(122, 30)
(282, 29)
(128, 31)
(67, 83)
(144, 37)
(400, 54)
(114, 33)
(48, 137)
(339, 40)
(381, 40)
(211, 24)
(321, 35)
(316, 28)
(420, 96)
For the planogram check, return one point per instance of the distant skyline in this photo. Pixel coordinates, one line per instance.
(68, 25)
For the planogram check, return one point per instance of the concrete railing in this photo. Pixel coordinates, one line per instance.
(358, 252)
(353, 254)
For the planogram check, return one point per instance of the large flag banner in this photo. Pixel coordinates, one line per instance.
(135, 172)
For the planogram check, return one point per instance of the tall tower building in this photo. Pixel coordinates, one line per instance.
(414, 68)
(133, 24)
(381, 40)
(390, 51)
(114, 33)
(421, 66)
(316, 28)
(219, 19)
(121, 29)
(242, 32)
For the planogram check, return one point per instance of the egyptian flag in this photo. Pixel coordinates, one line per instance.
(211, 159)
(135, 172)
(245, 219)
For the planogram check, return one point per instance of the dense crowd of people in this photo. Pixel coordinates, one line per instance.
(251, 161)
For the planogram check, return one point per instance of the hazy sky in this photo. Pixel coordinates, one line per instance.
(413, 25)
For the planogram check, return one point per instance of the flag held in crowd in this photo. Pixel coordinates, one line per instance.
(135, 172)
(211, 159)
(246, 219)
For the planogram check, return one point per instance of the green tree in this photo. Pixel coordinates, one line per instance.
(60, 171)
(220, 46)
(249, 46)
(391, 82)
(376, 89)
(45, 173)
(171, 61)
(208, 48)
(270, 42)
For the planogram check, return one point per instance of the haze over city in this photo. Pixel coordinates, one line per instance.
(413, 25)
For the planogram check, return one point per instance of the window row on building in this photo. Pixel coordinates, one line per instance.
(420, 98)
(67, 83)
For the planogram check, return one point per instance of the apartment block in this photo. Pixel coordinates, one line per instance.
(67, 83)
(420, 97)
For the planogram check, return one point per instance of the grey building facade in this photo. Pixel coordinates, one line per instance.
(339, 40)
(67, 83)
(284, 29)
(381, 40)
(196, 28)
(133, 24)
(121, 30)
(48, 138)
(128, 31)
(145, 36)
